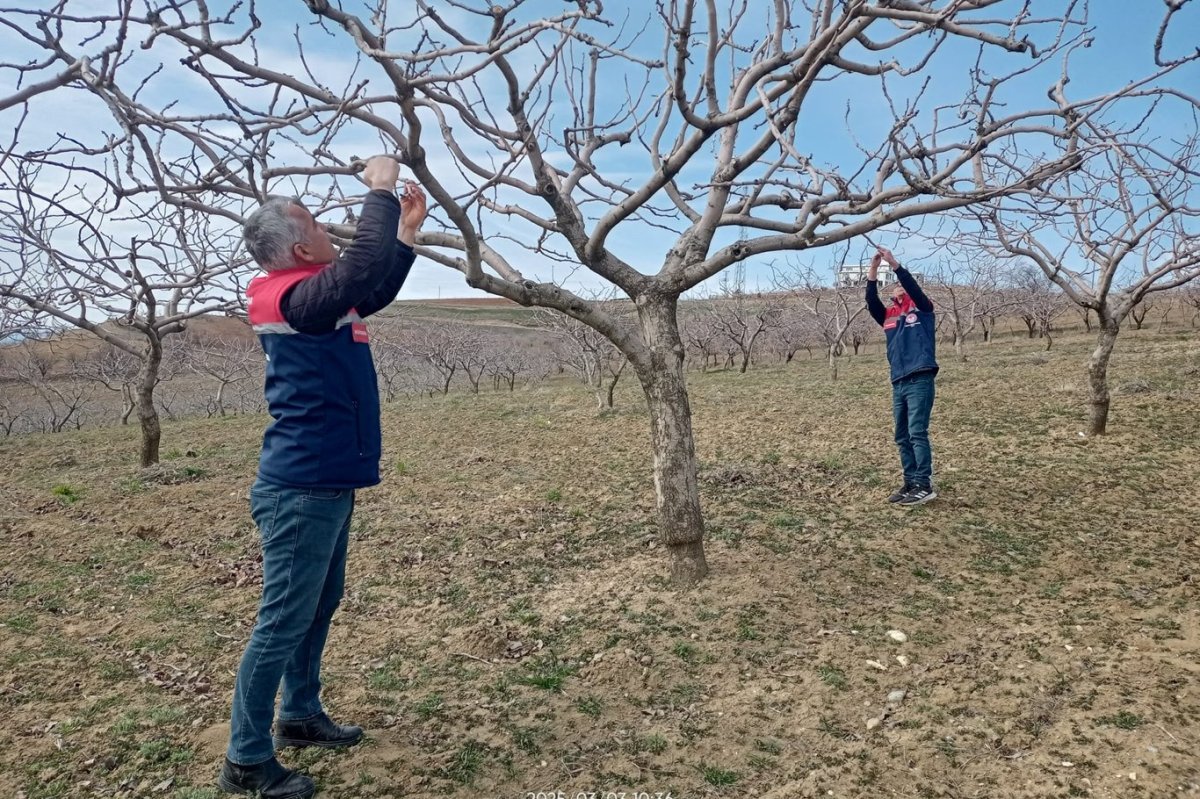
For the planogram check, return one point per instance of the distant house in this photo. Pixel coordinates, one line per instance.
(852, 275)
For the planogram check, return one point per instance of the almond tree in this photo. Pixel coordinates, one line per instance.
(116, 370)
(740, 318)
(653, 146)
(130, 275)
(832, 312)
(511, 363)
(587, 353)
(698, 331)
(1110, 234)
(63, 398)
(1038, 301)
(968, 291)
(224, 359)
(1139, 312)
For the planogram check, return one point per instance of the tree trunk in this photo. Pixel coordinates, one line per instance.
(128, 404)
(959, 348)
(833, 366)
(221, 399)
(147, 413)
(681, 524)
(745, 361)
(612, 387)
(1098, 377)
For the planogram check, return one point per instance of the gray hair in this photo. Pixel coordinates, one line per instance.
(272, 231)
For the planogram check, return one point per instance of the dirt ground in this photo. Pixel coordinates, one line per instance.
(507, 630)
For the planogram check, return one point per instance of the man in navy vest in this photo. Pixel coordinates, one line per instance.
(322, 444)
(909, 326)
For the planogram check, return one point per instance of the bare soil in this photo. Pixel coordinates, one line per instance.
(507, 628)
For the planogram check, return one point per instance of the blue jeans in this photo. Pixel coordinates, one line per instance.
(912, 403)
(304, 535)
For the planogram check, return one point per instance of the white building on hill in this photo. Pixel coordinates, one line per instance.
(852, 275)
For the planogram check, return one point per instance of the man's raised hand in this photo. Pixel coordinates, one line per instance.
(886, 255)
(873, 271)
(413, 208)
(381, 173)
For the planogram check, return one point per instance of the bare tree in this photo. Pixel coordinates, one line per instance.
(392, 361)
(116, 370)
(1191, 299)
(523, 106)
(701, 338)
(223, 358)
(1085, 314)
(475, 355)
(1038, 301)
(741, 318)
(18, 322)
(832, 311)
(586, 352)
(129, 275)
(1139, 312)
(441, 347)
(967, 288)
(509, 364)
(796, 331)
(1122, 227)
(63, 398)
(862, 331)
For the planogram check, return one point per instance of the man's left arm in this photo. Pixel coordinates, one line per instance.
(907, 282)
(412, 214)
(385, 292)
(912, 289)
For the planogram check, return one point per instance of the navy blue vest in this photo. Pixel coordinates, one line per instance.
(911, 339)
(321, 392)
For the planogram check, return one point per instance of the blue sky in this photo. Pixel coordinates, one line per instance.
(1121, 52)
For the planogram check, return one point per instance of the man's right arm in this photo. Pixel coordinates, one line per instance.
(315, 304)
(874, 304)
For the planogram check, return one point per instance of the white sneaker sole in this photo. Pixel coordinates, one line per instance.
(928, 498)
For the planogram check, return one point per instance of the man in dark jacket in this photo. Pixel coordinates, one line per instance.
(322, 444)
(909, 326)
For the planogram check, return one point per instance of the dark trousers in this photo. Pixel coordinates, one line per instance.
(304, 536)
(912, 403)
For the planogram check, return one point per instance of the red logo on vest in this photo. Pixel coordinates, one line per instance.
(359, 331)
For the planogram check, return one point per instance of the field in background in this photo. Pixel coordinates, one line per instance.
(506, 628)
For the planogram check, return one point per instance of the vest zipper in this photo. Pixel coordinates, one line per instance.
(358, 428)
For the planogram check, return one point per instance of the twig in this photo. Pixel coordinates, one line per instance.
(472, 657)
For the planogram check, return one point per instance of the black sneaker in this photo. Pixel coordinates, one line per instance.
(918, 495)
(317, 731)
(901, 493)
(268, 780)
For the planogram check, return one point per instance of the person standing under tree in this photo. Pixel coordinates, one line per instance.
(909, 326)
(323, 443)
